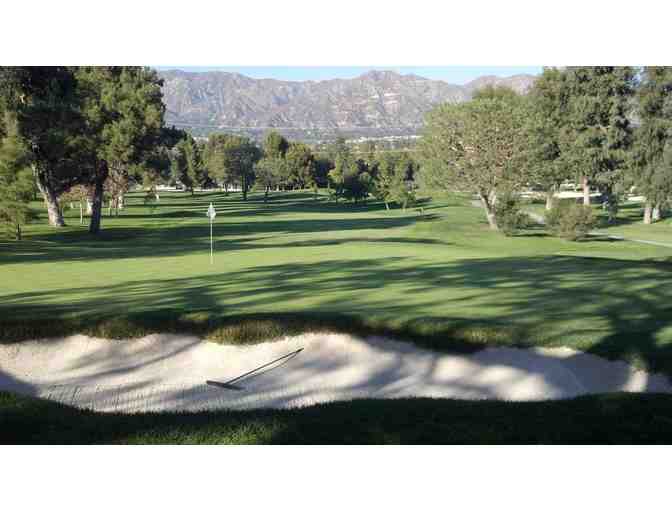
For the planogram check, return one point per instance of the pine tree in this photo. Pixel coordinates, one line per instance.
(597, 136)
(123, 108)
(546, 115)
(652, 154)
(47, 107)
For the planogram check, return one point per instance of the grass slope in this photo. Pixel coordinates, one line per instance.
(443, 279)
(601, 419)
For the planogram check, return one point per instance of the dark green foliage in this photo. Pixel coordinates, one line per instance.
(187, 165)
(546, 116)
(123, 108)
(299, 168)
(597, 134)
(16, 180)
(393, 179)
(275, 145)
(350, 179)
(48, 107)
(570, 220)
(231, 159)
(268, 174)
(652, 155)
(510, 217)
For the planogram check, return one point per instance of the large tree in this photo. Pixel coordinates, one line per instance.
(47, 106)
(652, 169)
(474, 147)
(187, 164)
(392, 178)
(271, 170)
(124, 110)
(597, 133)
(545, 117)
(240, 156)
(268, 173)
(274, 145)
(300, 166)
(231, 159)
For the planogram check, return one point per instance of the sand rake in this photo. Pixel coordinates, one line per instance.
(228, 385)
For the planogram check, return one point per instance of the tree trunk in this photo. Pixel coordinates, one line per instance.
(655, 214)
(243, 187)
(586, 190)
(97, 202)
(550, 194)
(51, 201)
(18, 231)
(266, 194)
(81, 213)
(489, 210)
(387, 206)
(89, 206)
(647, 213)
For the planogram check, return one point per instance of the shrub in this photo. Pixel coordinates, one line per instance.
(510, 218)
(570, 220)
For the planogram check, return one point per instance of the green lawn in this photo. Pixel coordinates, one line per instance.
(442, 277)
(628, 224)
(603, 419)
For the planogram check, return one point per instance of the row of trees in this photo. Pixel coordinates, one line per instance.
(90, 132)
(283, 165)
(605, 127)
(387, 175)
(71, 126)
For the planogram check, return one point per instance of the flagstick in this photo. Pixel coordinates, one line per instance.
(211, 216)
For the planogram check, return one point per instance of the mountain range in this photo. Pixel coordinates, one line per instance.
(377, 103)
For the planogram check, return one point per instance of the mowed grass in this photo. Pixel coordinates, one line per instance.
(298, 263)
(603, 419)
(628, 224)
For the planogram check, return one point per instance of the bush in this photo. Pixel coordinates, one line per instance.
(570, 220)
(510, 218)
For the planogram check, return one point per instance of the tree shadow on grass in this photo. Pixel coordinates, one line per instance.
(613, 308)
(135, 242)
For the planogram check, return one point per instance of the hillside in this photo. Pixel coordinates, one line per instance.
(377, 103)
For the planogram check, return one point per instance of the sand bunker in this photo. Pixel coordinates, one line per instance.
(168, 372)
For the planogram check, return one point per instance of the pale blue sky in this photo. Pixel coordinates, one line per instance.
(452, 74)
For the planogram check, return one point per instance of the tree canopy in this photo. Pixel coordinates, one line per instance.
(474, 147)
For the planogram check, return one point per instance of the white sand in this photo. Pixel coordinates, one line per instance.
(168, 372)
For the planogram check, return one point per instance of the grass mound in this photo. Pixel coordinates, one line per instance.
(432, 333)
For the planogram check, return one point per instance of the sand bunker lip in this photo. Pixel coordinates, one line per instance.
(168, 372)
